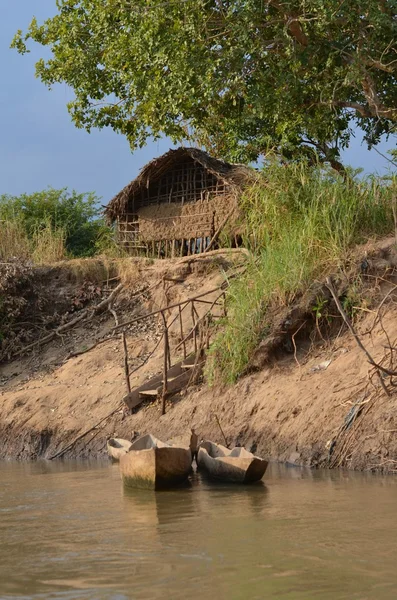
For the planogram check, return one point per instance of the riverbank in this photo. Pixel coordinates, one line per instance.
(313, 401)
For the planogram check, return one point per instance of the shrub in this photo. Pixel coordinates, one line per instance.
(77, 216)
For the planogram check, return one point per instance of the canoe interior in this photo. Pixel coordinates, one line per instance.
(235, 466)
(152, 464)
(117, 447)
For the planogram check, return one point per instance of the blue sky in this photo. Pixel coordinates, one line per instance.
(39, 145)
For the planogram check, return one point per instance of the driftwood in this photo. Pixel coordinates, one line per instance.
(85, 315)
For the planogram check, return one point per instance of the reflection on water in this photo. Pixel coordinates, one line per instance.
(70, 531)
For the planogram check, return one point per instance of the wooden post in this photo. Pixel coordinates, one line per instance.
(182, 245)
(194, 327)
(173, 249)
(126, 367)
(182, 335)
(165, 365)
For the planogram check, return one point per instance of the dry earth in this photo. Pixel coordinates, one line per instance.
(322, 406)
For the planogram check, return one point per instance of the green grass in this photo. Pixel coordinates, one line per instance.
(300, 224)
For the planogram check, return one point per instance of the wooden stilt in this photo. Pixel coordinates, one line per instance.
(182, 334)
(126, 367)
(194, 326)
(165, 364)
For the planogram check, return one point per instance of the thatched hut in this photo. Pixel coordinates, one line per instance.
(178, 204)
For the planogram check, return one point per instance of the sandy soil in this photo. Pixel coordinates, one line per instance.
(321, 407)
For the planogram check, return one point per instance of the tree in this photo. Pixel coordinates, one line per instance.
(239, 77)
(76, 214)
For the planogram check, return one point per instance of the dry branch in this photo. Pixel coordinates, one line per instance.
(205, 255)
(79, 437)
(85, 315)
(217, 232)
(346, 319)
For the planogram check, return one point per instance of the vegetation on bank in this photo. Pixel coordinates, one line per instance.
(300, 224)
(52, 225)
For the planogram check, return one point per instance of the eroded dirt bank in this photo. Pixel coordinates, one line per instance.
(318, 403)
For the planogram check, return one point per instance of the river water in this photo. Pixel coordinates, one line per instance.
(70, 531)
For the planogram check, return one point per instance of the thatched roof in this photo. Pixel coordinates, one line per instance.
(235, 176)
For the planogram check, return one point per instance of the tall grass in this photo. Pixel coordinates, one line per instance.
(44, 246)
(13, 240)
(300, 224)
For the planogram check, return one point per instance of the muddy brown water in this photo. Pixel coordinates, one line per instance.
(70, 531)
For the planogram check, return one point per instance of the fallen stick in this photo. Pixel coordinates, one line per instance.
(79, 437)
(217, 232)
(346, 319)
(219, 425)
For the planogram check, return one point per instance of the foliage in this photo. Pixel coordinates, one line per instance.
(301, 222)
(239, 76)
(53, 215)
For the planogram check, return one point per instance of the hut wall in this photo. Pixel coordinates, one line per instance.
(175, 221)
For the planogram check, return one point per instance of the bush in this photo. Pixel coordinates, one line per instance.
(300, 223)
(76, 218)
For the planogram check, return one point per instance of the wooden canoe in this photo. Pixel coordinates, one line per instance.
(152, 464)
(117, 447)
(235, 466)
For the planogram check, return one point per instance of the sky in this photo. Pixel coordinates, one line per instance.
(40, 146)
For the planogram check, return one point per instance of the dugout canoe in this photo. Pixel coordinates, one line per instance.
(117, 447)
(153, 464)
(233, 466)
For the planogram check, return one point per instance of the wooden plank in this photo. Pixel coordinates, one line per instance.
(149, 392)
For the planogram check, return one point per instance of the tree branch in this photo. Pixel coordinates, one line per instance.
(377, 108)
(293, 24)
(371, 62)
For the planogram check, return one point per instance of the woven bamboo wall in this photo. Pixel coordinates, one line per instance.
(187, 182)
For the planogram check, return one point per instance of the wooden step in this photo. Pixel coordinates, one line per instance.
(148, 393)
